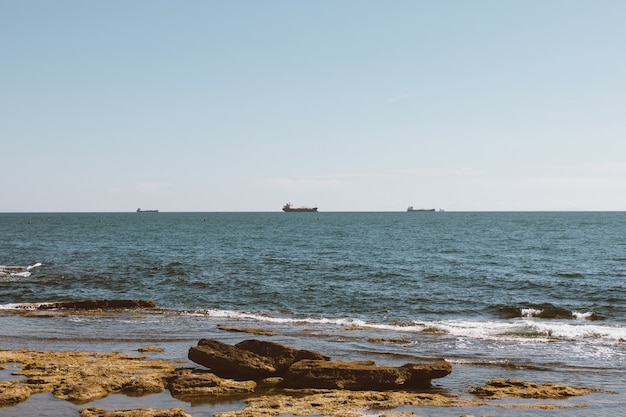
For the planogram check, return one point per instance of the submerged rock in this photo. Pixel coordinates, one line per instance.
(140, 412)
(151, 349)
(504, 388)
(98, 305)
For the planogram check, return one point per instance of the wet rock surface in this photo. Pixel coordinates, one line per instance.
(81, 377)
(339, 403)
(512, 388)
(193, 382)
(140, 412)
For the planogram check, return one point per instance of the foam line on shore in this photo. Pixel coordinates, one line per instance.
(517, 328)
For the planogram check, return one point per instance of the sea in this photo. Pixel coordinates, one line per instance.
(535, 296)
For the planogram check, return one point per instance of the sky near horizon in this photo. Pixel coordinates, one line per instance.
(350, 105)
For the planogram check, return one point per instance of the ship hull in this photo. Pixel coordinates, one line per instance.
(301, 209)
(290, 208)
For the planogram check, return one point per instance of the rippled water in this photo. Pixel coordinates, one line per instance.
(538, 296)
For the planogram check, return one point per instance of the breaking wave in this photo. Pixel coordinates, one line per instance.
(20, 306)
(17, 271)
(544, 311)
(524, 327)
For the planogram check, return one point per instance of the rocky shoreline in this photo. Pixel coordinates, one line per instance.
(270, 378)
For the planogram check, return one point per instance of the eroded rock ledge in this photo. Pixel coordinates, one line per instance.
(139, 412)
(81, 377)
(258, 360)
(512, 388)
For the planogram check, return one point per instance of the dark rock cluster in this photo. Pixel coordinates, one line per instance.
(258, 360)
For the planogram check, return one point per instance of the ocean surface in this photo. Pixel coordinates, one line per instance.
(538, 296)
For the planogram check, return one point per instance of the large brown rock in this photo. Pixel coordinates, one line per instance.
(422, 373)
(257, 360)
(282, 357)
(228, 361)
(363, 375)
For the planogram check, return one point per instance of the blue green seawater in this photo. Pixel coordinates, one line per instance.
(539, 296)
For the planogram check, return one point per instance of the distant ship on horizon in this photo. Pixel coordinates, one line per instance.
(139, 210)
(291, 208)
(414, 209)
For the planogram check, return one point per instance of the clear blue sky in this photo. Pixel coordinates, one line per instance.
(351, 105)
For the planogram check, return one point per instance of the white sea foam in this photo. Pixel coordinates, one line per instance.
(17, 271)
(584, 331)
(525, 328)
(536, 313)
(582, 316)
(232, 314)
(471, 329)
(22, 306)
(534, 329)
(531, 312)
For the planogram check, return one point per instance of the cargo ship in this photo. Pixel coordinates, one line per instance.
(414, 209)
(290, 208)
(147, 211)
